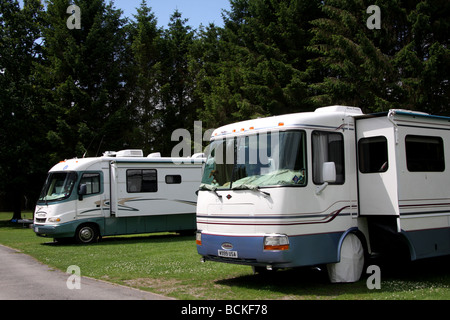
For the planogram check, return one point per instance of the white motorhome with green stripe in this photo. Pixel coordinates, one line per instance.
(119, 193)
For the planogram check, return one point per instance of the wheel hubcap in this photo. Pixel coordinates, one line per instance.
(86, 234)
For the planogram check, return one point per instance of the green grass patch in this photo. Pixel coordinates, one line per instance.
(168, 264)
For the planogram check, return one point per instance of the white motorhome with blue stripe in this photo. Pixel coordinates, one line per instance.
(120, 193)
(326, 188)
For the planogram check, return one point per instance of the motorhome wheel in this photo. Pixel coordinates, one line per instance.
(86, 234)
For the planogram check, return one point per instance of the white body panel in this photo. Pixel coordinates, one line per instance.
(168, 199)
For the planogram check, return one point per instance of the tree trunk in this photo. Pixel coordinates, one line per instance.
(17, 206)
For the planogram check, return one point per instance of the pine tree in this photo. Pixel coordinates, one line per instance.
(145, 39)
(206, 64)
(84, 78)
(19, 107)
(261, 68)
(356, 72)
(395, 66)
(176, 104)
(423, 63)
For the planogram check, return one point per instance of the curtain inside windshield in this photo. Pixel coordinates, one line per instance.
(268, 159)
(58, 186)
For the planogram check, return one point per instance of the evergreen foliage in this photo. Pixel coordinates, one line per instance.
(126, 83)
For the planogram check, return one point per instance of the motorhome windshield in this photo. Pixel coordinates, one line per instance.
(58, 186)
(259, 160)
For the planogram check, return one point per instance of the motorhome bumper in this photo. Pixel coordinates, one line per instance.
(305, 250)
(247, 251)
(54, 231)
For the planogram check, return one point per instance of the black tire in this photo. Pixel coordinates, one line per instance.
(87, 234)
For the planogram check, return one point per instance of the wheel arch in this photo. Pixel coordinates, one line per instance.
(361, 237)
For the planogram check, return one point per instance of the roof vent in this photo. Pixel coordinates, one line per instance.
(130, 153)
(345, 109)
(154, 155)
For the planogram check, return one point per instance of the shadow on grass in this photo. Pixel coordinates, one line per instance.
(428, 269)
(129, 239)
(13, 225)
(309, 283)
(303, 283)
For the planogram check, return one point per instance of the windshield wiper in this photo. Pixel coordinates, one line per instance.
(209, 188)
(250, 187)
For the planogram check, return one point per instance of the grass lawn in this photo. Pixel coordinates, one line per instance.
(168, 264)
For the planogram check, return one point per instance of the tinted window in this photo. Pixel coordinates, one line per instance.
(373, 154)
(142, 180)
(173, 179)
(424, 153)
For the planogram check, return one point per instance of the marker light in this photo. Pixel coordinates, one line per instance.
(276, 242)
(198, 237)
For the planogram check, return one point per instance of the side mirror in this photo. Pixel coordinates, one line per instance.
(328, 176)
(82, 190)
(329, 172)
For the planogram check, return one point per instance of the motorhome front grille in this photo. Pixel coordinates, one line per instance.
(229, 260)
(40, 220)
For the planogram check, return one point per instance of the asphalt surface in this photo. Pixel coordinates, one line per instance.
(24, 278)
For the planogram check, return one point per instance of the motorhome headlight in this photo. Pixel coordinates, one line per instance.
(54, 219)
(276, 242)
(198, 237)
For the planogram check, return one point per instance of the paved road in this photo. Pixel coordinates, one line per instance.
(24, 278)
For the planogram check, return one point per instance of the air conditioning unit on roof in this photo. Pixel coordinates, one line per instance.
(130, 153)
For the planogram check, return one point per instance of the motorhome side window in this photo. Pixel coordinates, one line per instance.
(92, 182)
(173, 179)
(373, 154)
(142, 180)
(424, 154)
(328, 147)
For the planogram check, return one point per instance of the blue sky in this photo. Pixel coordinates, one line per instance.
(197, 11)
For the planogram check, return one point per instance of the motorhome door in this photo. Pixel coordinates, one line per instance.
(90, 194)
(377, 170)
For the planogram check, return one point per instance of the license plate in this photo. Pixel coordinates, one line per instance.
(227, 254)
(36, 229)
